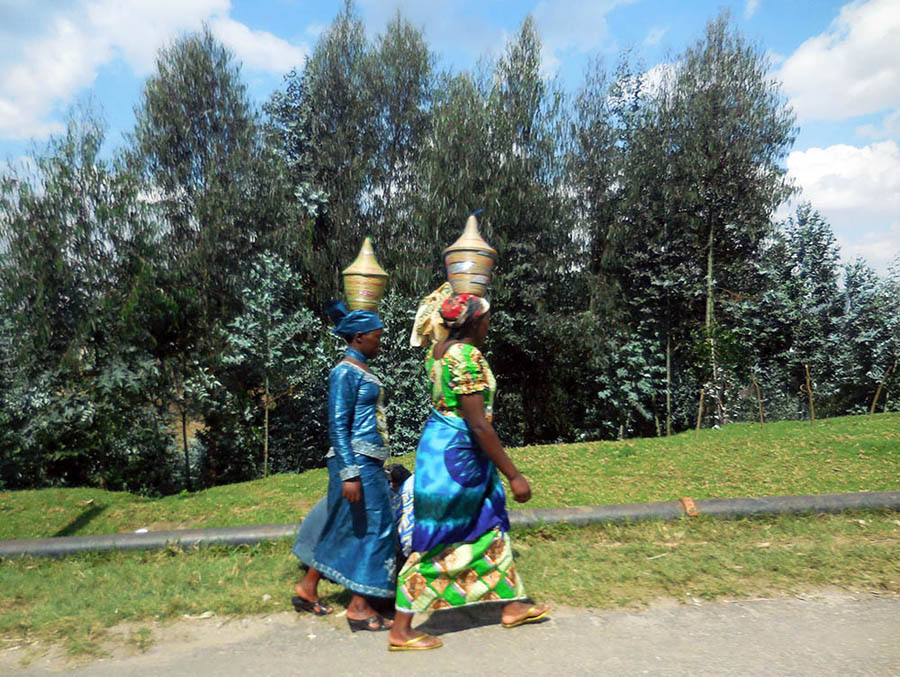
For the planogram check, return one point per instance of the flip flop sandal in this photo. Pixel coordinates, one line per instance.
(410, 644)
(530, 617)
(316, 607)
(367, 624)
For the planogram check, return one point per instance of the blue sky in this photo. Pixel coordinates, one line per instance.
(838, 62)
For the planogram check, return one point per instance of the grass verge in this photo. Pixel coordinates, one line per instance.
(852, 453)
(74, 601)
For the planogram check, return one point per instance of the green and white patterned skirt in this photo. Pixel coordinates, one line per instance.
(458, 574)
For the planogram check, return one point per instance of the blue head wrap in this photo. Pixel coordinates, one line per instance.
(353, 322)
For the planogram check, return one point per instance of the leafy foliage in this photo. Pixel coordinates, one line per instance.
(161, 312)
(269, 338)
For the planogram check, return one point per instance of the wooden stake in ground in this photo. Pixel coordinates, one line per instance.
(700, 409)
(668, 385)
(762, 418)
(880, 385)
(812, 408)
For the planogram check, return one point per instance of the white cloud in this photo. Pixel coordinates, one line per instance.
(25, 168)
(258, 49)
(847, 177)
(851, 69)
(315, 30)
(657, 76)
(571, 25)
(858, 191)
(137, 29)
(650, 82)
(750, 8)
(655, 35)
(43, 71)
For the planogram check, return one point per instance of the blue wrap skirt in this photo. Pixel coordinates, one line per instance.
(357, 547)
(310, 531)
(458, 496)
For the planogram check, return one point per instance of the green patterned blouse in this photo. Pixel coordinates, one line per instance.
(461, 371)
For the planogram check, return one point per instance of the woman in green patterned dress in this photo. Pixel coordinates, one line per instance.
(461, 549)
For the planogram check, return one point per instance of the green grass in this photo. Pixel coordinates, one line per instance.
(856, 453)
(608, 565)
(831, 456)
(70, 512)
(74, 601)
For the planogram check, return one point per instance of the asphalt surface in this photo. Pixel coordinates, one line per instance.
(827, 633)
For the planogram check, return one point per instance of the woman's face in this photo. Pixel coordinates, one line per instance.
(480, 329)
(369, 344)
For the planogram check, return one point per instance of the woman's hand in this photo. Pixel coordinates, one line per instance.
(484, 433)
(520, 488)
(352, 490)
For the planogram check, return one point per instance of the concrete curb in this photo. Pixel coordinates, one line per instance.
(581, 515)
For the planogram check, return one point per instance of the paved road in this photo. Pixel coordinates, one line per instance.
(823, 634)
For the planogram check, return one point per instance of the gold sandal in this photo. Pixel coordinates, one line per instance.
(410, 644)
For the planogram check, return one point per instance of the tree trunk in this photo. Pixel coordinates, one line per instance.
(709, 281)
(266, 431)
(881, 385)
(187, 456)
(668, 384)
(812, 408)
(762, 418)
(709, 322)
(700, 409)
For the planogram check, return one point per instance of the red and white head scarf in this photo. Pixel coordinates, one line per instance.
(462, 308)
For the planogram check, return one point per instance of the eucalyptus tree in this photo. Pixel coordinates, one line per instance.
(811, 281)
(868, 336)
(453, 169)
(350, 125)
(325, 121)
(889, 371)
(270, 336)
(701, 178)
(221, 195)
(198, 141)
(620, 168)
(8, 460)
(77, 278)
(731, 128)
(401, 68)
(497, 143)
(605, 113)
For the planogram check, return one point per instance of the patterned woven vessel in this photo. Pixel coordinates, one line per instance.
(469, 261)
(364, 280)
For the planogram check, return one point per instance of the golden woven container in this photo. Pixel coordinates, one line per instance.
(364, 280)
(469, 261)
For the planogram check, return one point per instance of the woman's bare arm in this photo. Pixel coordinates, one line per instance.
(487, 438)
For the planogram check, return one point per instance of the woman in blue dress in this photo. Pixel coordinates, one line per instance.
(357, 546)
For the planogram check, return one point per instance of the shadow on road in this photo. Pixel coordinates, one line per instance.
(465, 618)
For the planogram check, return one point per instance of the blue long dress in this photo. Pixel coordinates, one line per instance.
(310, 531)
(357, 546)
